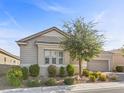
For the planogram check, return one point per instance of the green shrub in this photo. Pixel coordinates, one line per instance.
(92, 78)
(69, 81)
(33, 83)
(51, 82)
(119, 68)
(52, 70)
(113, 77)
(97, 74)
(103, 77)
(70, 69)
(85, 72)
(62, 71)
(91, 73)
(34, 70)
(25, 73)
(14, 76)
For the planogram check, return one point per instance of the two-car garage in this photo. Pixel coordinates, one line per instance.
(99, 65)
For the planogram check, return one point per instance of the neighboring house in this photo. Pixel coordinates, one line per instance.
(118, 57)
(113, 58)
(7, 58)
(104, 62)
(43, 48)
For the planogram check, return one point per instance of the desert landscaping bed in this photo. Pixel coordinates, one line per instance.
(4, 84)
(59, 80)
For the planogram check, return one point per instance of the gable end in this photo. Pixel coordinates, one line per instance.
(42, 33)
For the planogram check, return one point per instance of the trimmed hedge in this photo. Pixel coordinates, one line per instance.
(69, 81)
(51, 82)
(119, 68)
(34, 70)
(25, 73)
(70, 69)
(52, 70)
(62, 71)
(34, 83)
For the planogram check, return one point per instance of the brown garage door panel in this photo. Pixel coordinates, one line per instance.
(98, 65)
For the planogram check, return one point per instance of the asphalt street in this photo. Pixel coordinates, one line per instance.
(112, 90)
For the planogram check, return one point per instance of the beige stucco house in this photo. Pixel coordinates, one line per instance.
(118, 57)
(104, 62)
(43, 48)
(7, 58)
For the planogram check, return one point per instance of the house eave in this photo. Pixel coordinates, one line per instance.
(21, 43)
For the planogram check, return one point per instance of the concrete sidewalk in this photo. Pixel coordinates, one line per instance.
(97, 86)
(67, 89)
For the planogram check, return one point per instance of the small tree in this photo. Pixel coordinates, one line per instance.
(84, 42)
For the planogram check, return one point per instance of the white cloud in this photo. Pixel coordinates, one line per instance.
(57, 8)
(54, 7)
(12, 19)
(111, 23)
(99, 17)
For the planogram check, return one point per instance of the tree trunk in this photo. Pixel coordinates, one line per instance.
(80, 67)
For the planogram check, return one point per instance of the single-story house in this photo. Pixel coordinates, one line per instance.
(104, 62)
(43, 48)
(118, 57)
(7, 58)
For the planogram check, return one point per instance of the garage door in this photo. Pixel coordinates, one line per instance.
(98, 65)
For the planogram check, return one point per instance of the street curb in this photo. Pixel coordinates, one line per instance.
(96, 90)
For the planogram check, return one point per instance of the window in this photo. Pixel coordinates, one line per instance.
(53, 57)
(60, 60)
(14, 61)
(53, 60)
(46, 60)
(47, 57)
(60, 57)
(5, 59)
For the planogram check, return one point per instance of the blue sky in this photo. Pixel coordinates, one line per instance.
(20, 18)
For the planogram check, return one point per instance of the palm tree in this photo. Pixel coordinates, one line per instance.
(84, 42)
